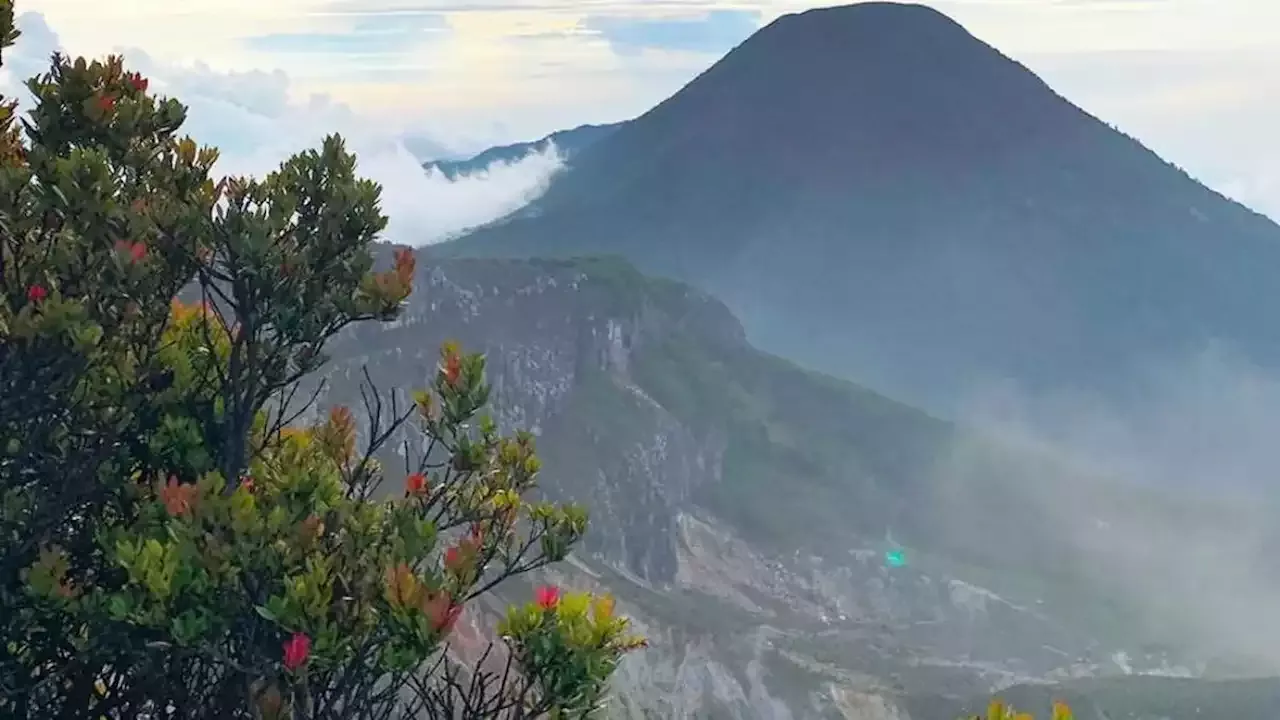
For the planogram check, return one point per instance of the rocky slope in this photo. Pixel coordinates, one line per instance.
(882, 196)
(741, 507)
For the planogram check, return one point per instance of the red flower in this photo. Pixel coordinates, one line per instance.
(246, 482)
(36, 293)
(135, 251)
(453, 369)
(296, 650)
(547, 596)
(453, 559)
(415, 484)
(138, 82)
(106, 103)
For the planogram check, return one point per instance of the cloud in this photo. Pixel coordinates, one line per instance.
(256, 122)
(370, 35)
(714, 32)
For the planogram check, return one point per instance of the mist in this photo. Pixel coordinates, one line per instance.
(1165, 504)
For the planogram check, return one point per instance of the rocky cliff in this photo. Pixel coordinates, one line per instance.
(741, 507)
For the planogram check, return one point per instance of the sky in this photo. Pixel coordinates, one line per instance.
(1198, 81)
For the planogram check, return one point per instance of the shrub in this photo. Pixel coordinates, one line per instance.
(171, 542)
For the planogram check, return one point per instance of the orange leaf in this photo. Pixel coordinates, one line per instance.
(178, 498)
(402, 587)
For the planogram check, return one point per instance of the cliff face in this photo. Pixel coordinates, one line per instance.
(559, 339)
(740, 506)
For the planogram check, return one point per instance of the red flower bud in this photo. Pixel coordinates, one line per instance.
(547, 596)
(106, 103)
(138, 82)
(135, 251)
(36, 293)
(453, 369)
(453, 559)
(296, 650)
(415, 484)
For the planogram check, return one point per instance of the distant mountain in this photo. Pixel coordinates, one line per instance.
(882, 196)
(568, 142)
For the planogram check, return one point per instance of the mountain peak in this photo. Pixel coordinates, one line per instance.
(869, 31)
(881, 195)
(889, 87)
(869, 12)
(863, 29)
(881, 51)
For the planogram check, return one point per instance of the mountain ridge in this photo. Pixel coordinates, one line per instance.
(567, 142)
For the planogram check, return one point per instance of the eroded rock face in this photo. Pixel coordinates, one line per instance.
(741, 626)
(558, 338)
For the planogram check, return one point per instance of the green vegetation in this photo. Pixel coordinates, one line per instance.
(171, 543)
(847, 454)
(998, 710)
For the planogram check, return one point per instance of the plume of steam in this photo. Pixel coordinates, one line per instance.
(1165, 505)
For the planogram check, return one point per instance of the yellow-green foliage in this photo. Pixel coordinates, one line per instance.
(998, 710)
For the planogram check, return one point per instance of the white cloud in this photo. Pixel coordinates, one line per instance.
(252, 118)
